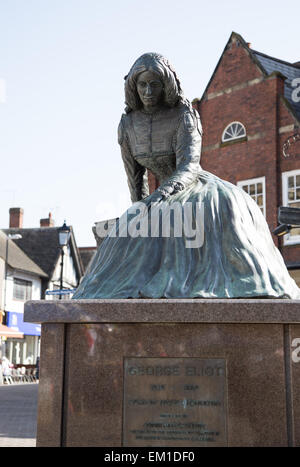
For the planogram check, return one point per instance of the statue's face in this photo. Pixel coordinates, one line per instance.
(150, 90)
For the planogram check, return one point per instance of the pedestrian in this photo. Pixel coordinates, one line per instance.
(6, 366)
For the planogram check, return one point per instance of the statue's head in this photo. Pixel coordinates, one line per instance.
(152, 80)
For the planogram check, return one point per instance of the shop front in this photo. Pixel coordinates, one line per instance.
(6, 334)
(21, 345)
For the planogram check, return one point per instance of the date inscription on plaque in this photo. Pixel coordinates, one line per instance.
(174, 402)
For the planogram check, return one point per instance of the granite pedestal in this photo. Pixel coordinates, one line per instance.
(168, 372)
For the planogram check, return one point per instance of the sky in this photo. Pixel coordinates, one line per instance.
(62, 64)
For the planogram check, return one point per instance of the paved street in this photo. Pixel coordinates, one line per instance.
(18, 409)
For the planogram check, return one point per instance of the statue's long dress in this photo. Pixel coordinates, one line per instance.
(235, 258)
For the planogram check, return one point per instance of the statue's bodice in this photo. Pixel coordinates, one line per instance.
(152, 139)
(167, 142)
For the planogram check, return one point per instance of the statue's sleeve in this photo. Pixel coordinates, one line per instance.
(188, 149)
(136, 174)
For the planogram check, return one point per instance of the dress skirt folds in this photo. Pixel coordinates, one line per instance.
(209, 240)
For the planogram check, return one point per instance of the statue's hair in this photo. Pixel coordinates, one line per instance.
(158, 64)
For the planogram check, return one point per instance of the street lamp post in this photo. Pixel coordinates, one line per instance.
(63, 238)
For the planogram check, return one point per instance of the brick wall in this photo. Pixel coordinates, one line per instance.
(240, 91)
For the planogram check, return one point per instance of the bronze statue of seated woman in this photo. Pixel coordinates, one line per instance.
(151, 253)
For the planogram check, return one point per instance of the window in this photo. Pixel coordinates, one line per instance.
(22, 290)
(233, 131)
(291, 198)
(256, 188)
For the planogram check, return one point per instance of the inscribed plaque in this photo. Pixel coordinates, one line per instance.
(174, 402)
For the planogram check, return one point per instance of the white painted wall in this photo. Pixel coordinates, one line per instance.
(18, 305)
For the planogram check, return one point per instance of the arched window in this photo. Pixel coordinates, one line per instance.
(233, 131)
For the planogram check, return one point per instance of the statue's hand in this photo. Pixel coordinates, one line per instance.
(170, 188)
(153, 199)
(162, 193)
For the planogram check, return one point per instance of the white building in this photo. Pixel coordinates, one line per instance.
(43, 254)
(20, 280)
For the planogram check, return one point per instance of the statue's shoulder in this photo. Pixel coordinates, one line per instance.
(124, 119)
(186, 108)
(183, 107)
(123, 124)
(190, 117)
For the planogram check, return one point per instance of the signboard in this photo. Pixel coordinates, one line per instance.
(174, 402)
(60, 292)
(15, 322)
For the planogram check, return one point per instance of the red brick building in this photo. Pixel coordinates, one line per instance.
(248, 110)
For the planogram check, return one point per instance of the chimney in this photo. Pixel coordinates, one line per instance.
(16, 218)
(249, 45)
(47, 222)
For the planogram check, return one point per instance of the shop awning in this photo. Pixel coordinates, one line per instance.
(5, 331)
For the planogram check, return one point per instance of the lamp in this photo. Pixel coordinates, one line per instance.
(282, 229)
(64, 233)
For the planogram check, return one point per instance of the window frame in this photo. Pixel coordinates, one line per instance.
(25, 282)
(288, 239)
(255, 181)
(236, 138)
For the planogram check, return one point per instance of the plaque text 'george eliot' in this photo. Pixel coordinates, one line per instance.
(174, 402)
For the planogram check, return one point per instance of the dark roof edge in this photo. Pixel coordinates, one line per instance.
(42, 274)
(76, 256)
(252, 56)
(31, 267)
(276, 59)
